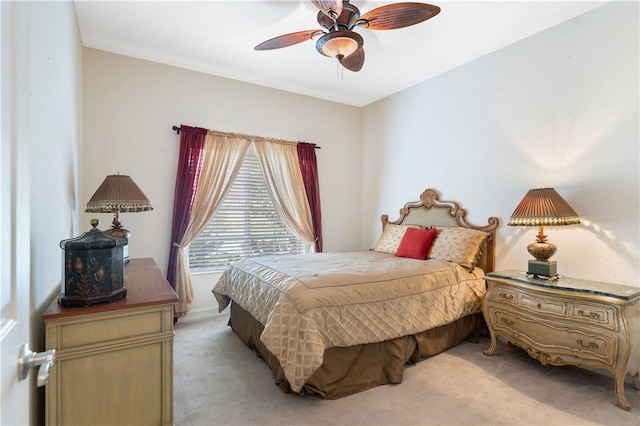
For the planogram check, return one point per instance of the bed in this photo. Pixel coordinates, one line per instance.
(334, 324)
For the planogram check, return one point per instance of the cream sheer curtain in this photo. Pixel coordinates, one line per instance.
(281, 167)
(223, 156)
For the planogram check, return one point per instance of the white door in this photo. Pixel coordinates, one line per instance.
(14, 220)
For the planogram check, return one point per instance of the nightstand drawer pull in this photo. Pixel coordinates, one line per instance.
(592, 315)
(506, 296)
(592, 345)
(506, 321)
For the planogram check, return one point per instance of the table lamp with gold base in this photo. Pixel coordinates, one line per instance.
(543, 207)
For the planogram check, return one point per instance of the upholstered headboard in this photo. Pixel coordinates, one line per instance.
(430, 211)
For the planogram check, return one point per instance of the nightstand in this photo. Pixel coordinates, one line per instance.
(114, 361)
(588, 324)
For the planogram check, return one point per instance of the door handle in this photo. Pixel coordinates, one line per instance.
(28, 359)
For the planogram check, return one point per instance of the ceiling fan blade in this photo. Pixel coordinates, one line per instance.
(326, 6)
(399, 15)
(286, 40)
(354, 61)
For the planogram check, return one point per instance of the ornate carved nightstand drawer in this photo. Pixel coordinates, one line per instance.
(573, 346)
(567, 321)
(592, 314)
(544, 305)
(505, 294)
(595, 314)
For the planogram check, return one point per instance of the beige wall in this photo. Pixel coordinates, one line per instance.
(55, 126)
(559, 108)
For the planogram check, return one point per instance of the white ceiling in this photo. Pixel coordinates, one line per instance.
(218, 37)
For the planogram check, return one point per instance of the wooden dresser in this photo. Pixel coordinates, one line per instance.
(585, 323)
(114, 361)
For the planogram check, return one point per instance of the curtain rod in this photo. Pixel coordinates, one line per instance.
(177, 130)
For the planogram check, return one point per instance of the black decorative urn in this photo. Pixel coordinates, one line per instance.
(93, 268)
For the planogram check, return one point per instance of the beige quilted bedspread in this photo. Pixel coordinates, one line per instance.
(311, 302)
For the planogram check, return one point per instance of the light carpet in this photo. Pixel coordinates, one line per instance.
(219, 381)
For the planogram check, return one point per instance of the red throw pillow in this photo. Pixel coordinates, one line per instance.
(416, 243)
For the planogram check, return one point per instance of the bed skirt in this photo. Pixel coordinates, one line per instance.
(348, 370)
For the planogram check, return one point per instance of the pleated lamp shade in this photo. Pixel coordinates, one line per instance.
(543, 207)
(117, 194)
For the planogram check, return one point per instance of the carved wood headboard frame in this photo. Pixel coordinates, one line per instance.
(431, 211)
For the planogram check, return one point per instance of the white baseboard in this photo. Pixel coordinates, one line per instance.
(203, 310)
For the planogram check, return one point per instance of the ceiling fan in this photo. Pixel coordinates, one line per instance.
(338, 18)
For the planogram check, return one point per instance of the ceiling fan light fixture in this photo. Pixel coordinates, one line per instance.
(339, 43)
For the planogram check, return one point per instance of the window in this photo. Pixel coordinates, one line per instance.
(246, 224)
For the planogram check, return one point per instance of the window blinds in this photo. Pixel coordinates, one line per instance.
(245, 225)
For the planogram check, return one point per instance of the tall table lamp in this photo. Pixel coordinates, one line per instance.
(543, 207)
(118, 194)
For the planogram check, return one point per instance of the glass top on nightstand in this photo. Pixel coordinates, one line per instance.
(618, 291)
